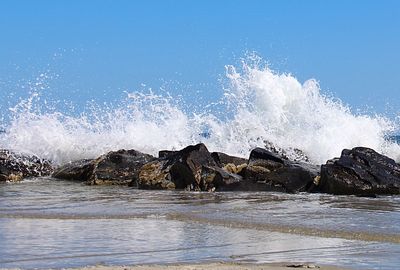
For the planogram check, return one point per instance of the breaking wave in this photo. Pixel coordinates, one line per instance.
(259, 106)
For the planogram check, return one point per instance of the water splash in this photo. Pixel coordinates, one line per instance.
(278, 108)
(259, 106)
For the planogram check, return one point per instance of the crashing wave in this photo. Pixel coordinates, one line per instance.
(259, 105)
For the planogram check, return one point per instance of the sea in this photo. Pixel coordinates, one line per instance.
(50, 223)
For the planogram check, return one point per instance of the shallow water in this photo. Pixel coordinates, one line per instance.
(51, 223)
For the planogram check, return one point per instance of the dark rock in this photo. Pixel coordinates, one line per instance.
(290, 153)
(308, 266)
(155, 175)
(263, 156)
(15, 166)
(219, 179)
(120, 167)
(115, 168)
(231, 164)
(360, 171)
(166, 153)
(177, 169)
(191, 168)
(267, 171)
(186, 167)
(79, 170)
(223, 159)
(194, 168)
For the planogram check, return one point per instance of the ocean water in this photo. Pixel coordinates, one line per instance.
(48, 223)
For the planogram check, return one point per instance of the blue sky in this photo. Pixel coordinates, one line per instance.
(98, 49)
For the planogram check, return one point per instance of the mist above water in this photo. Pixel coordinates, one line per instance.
(259, 105)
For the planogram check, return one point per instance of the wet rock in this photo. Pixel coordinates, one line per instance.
(79, 170)
(223, 159)
(360, 171)
(166, 153)
(219, 179)
(231, 164)
(290, 153)
(302, 265)
(114, 168)
(119, 167)
(191, 168)
(177, 169)
(236, 169)
(15, 166)
(186, 167)
(267, 171)
(155, 175)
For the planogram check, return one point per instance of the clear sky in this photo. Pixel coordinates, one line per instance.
(98, 49)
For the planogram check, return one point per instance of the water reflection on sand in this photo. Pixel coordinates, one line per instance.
(49, 223)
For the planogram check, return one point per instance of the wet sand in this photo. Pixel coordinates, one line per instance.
(216, 266)
(48, 224)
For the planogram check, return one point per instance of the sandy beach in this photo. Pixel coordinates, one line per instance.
(215, 266)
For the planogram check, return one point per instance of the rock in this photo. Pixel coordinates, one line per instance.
(191, 168)
(302, 265)
(267, 171)
(231, 164)
(263, 156)
(165, 153)
(194, 168)
(223, 159)
(7, 176)
(186, 167)
(79, 170)
(219, 179)
(360, 171)
(290, 153)
(155, 175)
(119, 167)
(15, 166)
(177, 169)
(114, 168)
(236, 169)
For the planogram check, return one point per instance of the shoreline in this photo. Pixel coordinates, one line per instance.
(215, 266)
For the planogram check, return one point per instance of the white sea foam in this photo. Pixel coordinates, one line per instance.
(260, 105)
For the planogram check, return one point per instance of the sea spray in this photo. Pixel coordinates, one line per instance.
(279, 109)
(259, 107)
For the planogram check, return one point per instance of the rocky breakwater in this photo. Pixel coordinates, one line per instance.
(16, 166)
(192, 168)
(268, 171)
(360, 171)
(114, 168)
(195, 168)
